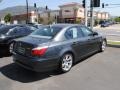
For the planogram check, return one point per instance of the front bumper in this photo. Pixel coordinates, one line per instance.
(36, 64)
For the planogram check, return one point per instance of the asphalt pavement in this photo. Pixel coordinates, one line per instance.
(100, 71)
(112, 32)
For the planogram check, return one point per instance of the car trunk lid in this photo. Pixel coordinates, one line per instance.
(25, 45)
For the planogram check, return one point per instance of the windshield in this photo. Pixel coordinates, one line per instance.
(47, 31)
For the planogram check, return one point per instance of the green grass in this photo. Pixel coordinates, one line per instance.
(113, 42)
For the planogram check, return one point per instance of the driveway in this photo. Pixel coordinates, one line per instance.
(100, 71)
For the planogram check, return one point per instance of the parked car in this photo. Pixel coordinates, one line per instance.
(35, 25)
(105, 24)
(2, 25)
(10, 32)
(57, 46)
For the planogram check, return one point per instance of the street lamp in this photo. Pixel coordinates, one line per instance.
(27, 12)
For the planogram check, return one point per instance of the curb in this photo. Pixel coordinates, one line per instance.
(110, 45)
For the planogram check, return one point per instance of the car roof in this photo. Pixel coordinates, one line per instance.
(65, 25)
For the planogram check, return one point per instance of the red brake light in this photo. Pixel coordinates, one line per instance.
(39, 51)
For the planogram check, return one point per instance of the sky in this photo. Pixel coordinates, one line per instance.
(53, 4)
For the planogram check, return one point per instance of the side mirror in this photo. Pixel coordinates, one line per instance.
(95, 33)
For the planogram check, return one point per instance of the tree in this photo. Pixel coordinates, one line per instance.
(117, 19)
(8, 18)
(78, 21)
(96, 22)
(40, 20)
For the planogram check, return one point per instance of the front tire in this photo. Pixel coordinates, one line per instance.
(103, 46)
(66, 63)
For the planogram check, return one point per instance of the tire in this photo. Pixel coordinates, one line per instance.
(10, 49)
(66, 63)
(103, 46)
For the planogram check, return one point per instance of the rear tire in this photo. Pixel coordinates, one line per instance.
(10, 49)
(66, 63)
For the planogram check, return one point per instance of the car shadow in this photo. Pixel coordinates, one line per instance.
(17, 73)
(4, 54)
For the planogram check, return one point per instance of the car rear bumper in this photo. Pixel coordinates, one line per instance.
(35, 64)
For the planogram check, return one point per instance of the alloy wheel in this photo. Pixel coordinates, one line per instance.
(11, 48)
(103, 45)
(67, 62)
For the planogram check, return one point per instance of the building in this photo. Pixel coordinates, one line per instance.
(100, 15)
(19, 14)
(49, 16)
(68, 13)
(71, 12)
(22, 18)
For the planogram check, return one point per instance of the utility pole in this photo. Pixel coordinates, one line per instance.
(84, 4)
(91, 14)
(86, 11)
(27, 19)
(56, 19)
(36, 12)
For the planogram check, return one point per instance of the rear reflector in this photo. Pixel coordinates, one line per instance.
(39, 51)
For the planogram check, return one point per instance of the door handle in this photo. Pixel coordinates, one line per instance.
(89, 39)
(74, 43)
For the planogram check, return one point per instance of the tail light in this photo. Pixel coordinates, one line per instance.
(39, 51)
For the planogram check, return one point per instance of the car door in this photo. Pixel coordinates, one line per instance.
(76, 39)
(91, 40)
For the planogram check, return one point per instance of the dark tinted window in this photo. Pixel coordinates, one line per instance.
(13, 31)
(86, 31)
(31, 28)
(5, 29)
(47, 31)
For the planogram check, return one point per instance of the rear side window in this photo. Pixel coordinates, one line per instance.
(73, 33)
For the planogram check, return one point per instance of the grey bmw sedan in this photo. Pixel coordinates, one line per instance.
(57, 47)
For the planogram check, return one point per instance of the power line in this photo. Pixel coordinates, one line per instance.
(110, 7)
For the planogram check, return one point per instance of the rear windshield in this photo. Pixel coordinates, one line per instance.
(47, 31)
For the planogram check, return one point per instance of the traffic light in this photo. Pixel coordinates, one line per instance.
(96, 3)
(35, 5)
(83, 3)
(103, 5)
(46, 7)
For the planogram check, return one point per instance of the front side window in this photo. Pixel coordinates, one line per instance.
(86, 31)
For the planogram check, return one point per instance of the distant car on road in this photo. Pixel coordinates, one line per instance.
(35, 25)
(105, 24)
(57, 46)
(10, 32)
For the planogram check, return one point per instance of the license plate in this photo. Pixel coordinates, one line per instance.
(21, 50)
